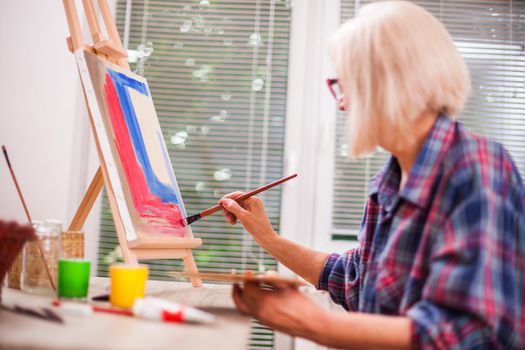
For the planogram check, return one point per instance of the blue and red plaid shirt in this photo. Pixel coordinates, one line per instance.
(447, 251)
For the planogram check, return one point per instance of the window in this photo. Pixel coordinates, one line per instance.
(225, 94)
(217, 71)
(491, 36)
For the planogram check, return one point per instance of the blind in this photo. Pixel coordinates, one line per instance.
(217, 71)
(491, 36)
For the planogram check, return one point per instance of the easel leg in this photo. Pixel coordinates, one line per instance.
(191, 266)
(87, 202)
(129, 256)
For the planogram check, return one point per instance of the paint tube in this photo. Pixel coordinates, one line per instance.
(155, 309)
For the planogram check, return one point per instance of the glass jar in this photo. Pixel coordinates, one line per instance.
(34, 276)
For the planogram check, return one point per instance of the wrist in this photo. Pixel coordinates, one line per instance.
(319, 325)
(268, 240)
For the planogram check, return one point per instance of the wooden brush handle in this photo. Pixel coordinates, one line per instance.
(218, 207)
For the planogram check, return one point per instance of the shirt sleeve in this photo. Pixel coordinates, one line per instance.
(340, 277)
(473, 296)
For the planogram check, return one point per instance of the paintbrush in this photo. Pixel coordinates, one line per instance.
(191, 219)
(16, 184)
(43, 313)
(40, 249)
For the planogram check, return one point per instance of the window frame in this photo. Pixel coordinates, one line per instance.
(311, 115)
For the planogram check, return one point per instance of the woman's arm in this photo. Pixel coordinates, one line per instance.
(365, 331)
(305, 262)
(291, 312)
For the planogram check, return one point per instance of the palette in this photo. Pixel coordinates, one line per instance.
(267, 278)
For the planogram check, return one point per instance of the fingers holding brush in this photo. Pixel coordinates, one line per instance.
(230, 217)
(252, 215)
(241, 204)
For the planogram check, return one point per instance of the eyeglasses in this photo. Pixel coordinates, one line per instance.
(335, 89)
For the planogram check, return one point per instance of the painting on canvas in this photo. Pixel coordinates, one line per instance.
(133, 147)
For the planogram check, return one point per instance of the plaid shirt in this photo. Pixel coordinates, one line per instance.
(447, 251)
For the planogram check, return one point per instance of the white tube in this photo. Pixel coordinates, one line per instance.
(155, 309)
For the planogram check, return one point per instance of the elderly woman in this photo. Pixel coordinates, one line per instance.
(441, 255)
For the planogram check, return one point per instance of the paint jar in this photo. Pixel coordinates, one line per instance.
(73, 278)
(34, 276)
(128, 283)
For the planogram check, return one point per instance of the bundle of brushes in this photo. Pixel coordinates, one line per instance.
(12, 239)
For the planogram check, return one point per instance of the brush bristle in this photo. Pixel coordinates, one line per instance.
(12, 239)
(183, 222)
(191, 219)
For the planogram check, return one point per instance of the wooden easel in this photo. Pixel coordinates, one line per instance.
(112, 50)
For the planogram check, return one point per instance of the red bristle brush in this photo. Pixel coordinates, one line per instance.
(12, 239)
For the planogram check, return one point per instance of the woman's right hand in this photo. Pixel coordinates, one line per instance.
(304, 261)
(252, 215)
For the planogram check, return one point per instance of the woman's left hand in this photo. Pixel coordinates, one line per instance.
(284, 309)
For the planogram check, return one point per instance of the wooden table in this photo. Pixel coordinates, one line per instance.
(106, 331)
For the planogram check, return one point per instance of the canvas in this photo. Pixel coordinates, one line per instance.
(133, 149)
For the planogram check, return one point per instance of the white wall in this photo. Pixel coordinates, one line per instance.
(43, 122)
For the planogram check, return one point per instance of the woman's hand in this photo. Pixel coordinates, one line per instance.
(251, 214)
(289, 311)
(286, 310)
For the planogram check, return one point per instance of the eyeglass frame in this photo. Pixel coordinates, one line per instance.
(331, 82)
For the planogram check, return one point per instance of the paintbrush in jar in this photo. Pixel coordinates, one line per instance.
(40, 249)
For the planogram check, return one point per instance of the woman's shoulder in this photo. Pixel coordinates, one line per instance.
(475, 163)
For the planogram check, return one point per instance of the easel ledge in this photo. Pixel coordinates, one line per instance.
(111, 49)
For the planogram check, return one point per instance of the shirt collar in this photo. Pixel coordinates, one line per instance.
(418, 188)
(386, 183)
